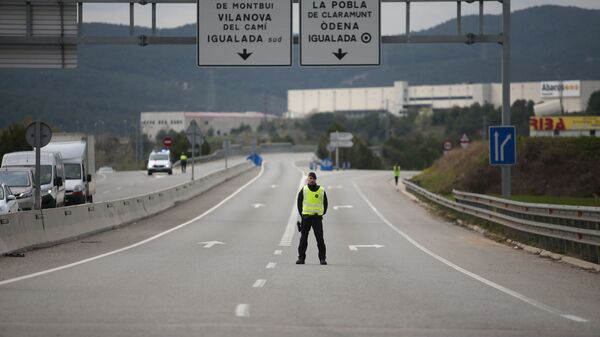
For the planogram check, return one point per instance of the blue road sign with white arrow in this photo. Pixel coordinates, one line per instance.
(503, 145)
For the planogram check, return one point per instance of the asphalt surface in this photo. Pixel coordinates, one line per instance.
(127, 184)
(228, 269)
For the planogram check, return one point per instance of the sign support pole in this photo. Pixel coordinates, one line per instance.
(193, 153)
(38, 175)
(505, 169)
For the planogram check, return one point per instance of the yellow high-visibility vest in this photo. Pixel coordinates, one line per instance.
(396, 171)
(313, 202)
(183, 157)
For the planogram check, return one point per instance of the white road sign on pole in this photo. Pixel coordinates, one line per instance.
(244, 33)
(340, 32)
(343, 136)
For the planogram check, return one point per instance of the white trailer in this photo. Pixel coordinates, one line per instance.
(79, 159)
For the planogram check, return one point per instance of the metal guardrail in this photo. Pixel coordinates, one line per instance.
(577, 224)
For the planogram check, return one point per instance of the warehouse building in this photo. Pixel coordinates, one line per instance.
(217, 123)
(551, 97)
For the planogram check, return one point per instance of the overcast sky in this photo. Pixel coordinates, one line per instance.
(423, 15)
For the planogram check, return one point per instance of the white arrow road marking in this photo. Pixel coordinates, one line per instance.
(271, 265)
(242, 310)
(481, 279)
(209, 244)
(355, 247)
(342, 206)
(334, 187)
(277, 252)
(258, 205)
(259, 283)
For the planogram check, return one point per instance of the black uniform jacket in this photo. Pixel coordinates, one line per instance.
(312, 188)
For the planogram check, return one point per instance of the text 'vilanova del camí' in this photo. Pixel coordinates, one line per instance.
(253, 18)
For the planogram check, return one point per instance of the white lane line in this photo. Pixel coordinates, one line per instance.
(466, 272)
(575, 318)
(277, 252)
(105, 192)
(16, 279)
(288, 234)
(259, 283)
(242, 310)
(271, 265)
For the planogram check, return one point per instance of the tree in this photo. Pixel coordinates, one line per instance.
(13, 139)
(593, 107)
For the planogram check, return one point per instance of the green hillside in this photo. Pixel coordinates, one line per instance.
(114, 83)
(559, 167)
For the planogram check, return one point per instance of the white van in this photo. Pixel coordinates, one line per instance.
(160, 161)
(79, 187)
(52, 174)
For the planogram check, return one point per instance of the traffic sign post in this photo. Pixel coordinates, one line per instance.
(340, 33)
(195, 137)
(447, 146)
(464, 141)
(337, 140)
(243, 33)
(503, 145)
(167, 142)
(38, 135)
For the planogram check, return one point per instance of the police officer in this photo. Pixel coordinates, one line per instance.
(312, 205)
(183, 158)
(396, 173)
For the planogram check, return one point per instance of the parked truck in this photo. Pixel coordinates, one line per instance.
(78, 155)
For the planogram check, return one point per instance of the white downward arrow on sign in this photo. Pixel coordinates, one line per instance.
(355, 247)
(208, 244)
(342, 206)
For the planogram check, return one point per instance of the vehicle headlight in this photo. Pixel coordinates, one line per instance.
(46, 192)
(25, 194)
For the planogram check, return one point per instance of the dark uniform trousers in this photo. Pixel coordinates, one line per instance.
(316, 222)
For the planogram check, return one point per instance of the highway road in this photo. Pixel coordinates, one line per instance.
(223, 264)
(126, 184)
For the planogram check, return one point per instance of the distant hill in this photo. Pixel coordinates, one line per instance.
(114, 83)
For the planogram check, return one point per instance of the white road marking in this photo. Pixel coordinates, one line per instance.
(333, 187)
(259, 283)
(209, 244)
(48, 271)
(355, 247)
(105, 192)
(277, 252)
(342, 206)
(288, 234)
(242, 310)
(274, 186)
(257, 205)
(466, 272)
(575, 318)
(271, 265)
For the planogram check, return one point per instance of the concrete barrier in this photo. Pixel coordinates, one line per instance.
(26, 230)
(18, 230)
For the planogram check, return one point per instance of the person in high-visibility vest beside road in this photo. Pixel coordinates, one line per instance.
(183, 159)
(312, 206)
(396, 173)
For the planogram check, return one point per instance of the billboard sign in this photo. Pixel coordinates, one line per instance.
(340, 33)
(243, 33)
(555, 89)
